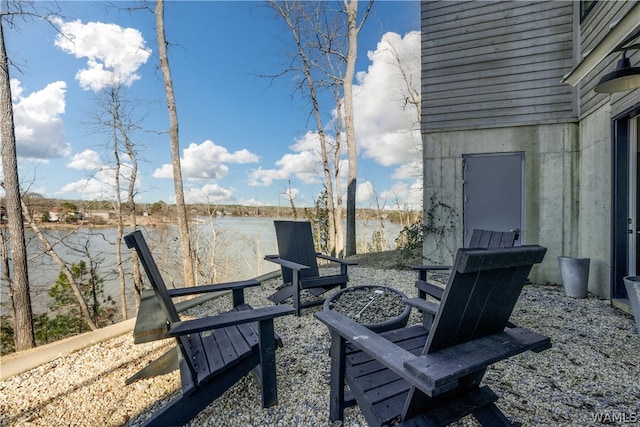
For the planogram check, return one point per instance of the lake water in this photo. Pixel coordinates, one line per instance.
(228, 248)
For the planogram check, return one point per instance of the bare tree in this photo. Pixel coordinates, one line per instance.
(302, 20)
(327, 48)
(131, 206)
(6, 269)
(410, 86)
(22, 316)
(183, 223)
(121, 127)
(292, 199)
(339, 228)
(351, 10)
(330, 42)
(49, 250)
(114, 111)
(409, 96)
(208, 271)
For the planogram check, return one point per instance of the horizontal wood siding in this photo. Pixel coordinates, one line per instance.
(592, 30)
(488, 64)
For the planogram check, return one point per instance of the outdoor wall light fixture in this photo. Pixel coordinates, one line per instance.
(625, 77)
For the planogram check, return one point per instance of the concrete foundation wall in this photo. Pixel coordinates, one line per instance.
(567, 188)
(596, 199)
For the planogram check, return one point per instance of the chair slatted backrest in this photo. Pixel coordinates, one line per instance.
(136, 241)
(481, 294)
(295, 243)
(492, 239)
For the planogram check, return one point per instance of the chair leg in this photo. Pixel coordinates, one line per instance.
(183, 409)
(336, 382)
(295, 282)
(268, 380)
(166, 363)
(490, 415)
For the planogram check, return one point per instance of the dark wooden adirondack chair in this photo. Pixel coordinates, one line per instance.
(414, 376)
(298, 257)
(479, 239)
(212, 352)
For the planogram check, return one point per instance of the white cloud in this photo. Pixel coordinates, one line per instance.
(407, 195)
(100, 185)
(86, 160)
(291, 192)
(266, 176)
(164, 171)
(114, 54)
(365, 192)
(250, 202)
(211, 194)
(305, 163)
(411, 170)
(387, 123)
(38, 126)
(206, 161)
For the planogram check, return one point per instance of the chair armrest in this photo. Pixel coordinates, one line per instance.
(430, 267)
(213, 288)
(422, 305)
(287, 264)
(229, 318)
(334, 259)
(314, 282)
(441, 370)
(424, 269)
(438, 372)
(384, 351)
(427, 309)
(425, 288)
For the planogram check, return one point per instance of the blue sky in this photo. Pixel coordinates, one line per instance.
(245, 139)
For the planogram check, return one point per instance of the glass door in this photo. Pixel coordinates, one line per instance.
(633, 259)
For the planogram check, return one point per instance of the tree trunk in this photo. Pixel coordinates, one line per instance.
(23, 322)
(351, 8)
(63, 266)
(183, 223)
(137, 273)
(114, 102)
(6, 272)
(121, 128)
(339, 227)
(292, 20)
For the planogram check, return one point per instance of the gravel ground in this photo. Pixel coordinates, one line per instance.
(589, 377)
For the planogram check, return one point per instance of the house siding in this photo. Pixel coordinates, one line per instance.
(491, 64)
(592, 30)
(491, 83)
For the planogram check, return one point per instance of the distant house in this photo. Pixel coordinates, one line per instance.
(57, 215)
(54, 215)
(99, 215)
(514, 135)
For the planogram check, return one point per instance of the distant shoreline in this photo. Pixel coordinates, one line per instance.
(101, 215)
(159, 221)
